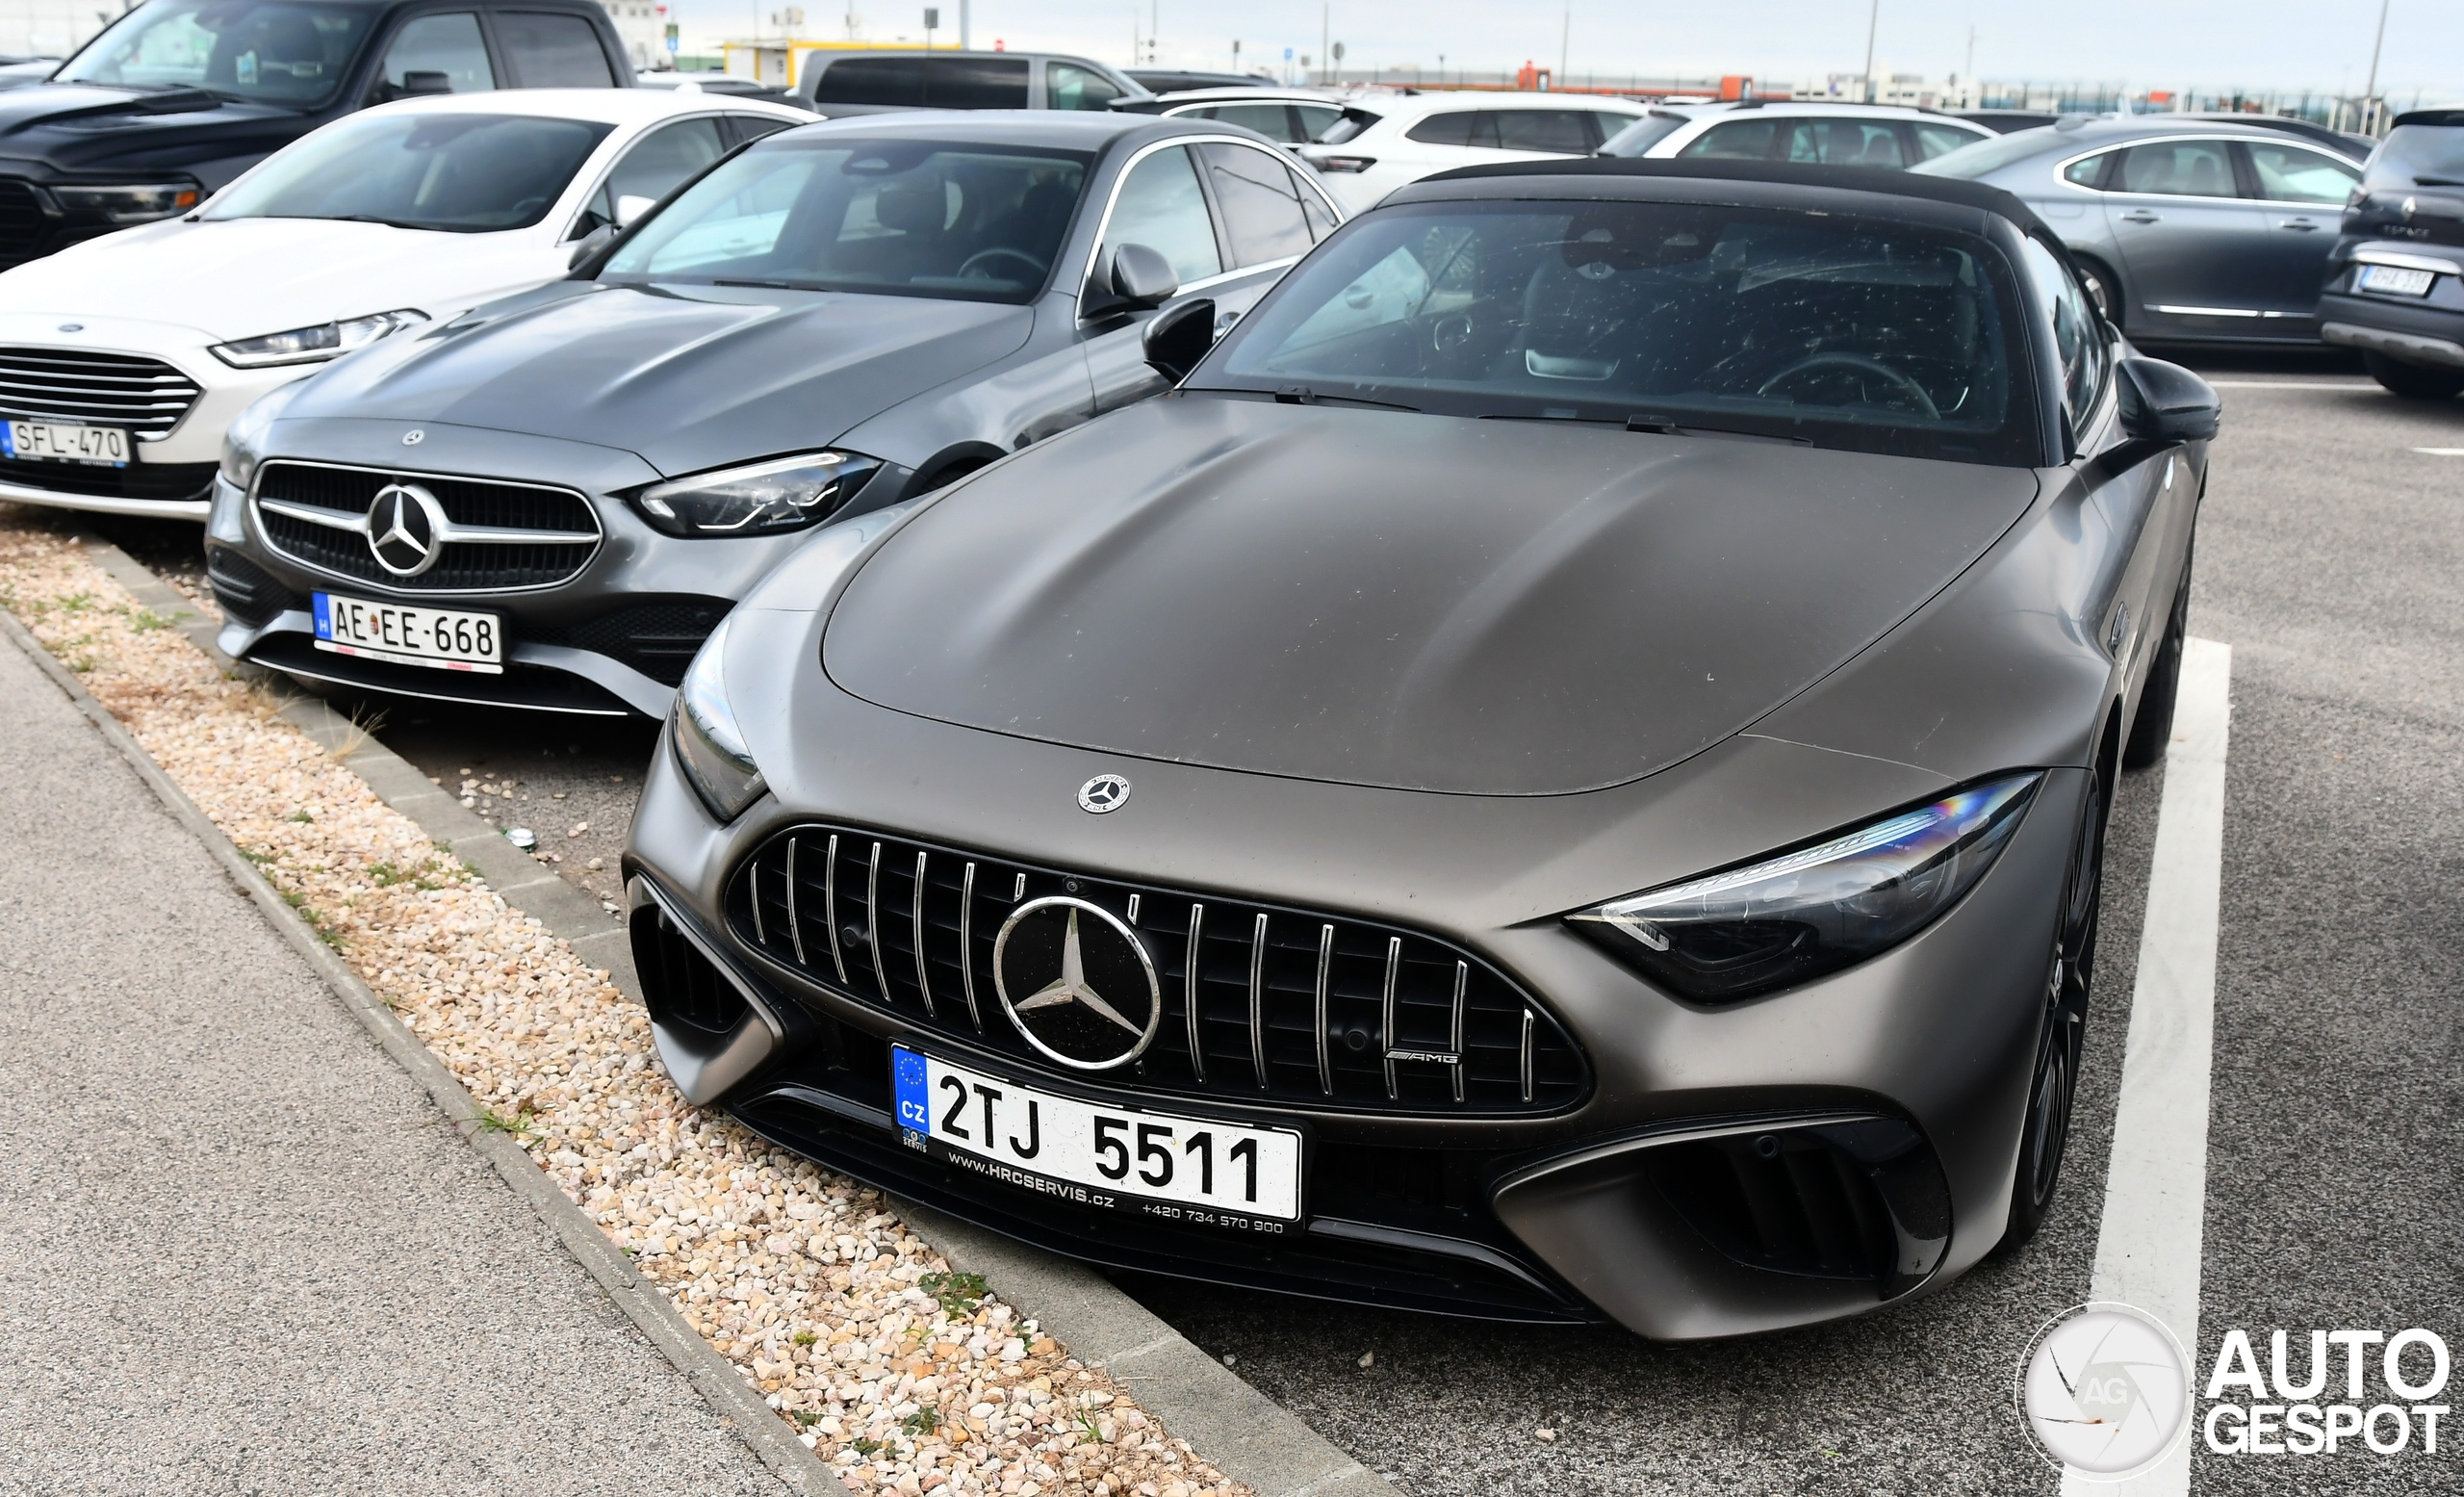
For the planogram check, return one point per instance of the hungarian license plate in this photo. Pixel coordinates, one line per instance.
(2396, 281)
(440, 638)
(1191, 1170)
(57, 442)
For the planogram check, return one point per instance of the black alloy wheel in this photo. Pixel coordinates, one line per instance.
(2054, 1084)
(2415, 381)
(2153, 730)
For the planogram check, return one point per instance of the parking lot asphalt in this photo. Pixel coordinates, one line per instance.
(2329, 551)
(240, 1251)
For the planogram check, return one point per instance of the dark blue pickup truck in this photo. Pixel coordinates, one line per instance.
(177, 97)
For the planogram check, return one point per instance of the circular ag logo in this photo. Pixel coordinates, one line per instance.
(1078, 982)
(1102, 793)
(404, 526)
(2105, 1390)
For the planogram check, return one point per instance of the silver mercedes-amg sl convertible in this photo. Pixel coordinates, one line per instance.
(1561, 775)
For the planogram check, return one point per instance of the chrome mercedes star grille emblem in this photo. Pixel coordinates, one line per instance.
(1102, 793)
(405, 521)
(1093, 998)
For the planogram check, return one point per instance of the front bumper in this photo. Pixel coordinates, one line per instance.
(1799, 1158)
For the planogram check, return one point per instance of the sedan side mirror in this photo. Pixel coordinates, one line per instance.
(630, 206)
(1142, 279)
(591, 244)
(1176, 341)
(2166, 402)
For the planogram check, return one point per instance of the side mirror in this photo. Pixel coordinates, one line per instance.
(2166, 402)
(1178, 340)
(630, 206)
(591, 244)
(1142, 279)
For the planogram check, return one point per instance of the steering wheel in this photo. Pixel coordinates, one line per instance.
(1859, 364)
(974, 264)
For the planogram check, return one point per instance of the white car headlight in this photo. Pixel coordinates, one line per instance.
(1791, 918)
(315, 344)
(756, 499)
(709, 746)
(244, 438)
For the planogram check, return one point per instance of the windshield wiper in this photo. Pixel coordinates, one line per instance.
(360, 218)
(1657, 426)
(770, 285)
(2438, 181)
(1303, 394)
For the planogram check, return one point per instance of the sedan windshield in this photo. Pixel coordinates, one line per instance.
(2419, 156)
(1835, 331)
(461, 174)
(269, 51)
(904, 218)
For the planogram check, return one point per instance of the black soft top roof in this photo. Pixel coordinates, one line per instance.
(1956, 190)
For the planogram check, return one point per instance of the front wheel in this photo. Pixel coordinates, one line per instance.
(2053, 1084)
(2415, 381)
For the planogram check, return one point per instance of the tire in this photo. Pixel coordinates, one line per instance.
(2415, 381)
(2153, 730)
(2053, 1081)
(2104, 288)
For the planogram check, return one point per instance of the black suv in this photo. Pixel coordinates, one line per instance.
(177, 97)
(2396, 281)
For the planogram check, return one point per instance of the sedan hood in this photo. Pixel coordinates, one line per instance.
(689, 378)
(212, 276)
(1417, 601)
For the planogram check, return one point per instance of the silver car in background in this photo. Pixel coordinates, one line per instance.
(2189, 231)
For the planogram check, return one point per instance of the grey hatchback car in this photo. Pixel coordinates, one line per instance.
(2188, 231)
(552, 500)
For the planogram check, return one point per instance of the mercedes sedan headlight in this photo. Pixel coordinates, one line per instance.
(709, 746)
(132, 203)
(1796, 917)
(758, 498)
(315, 344)
(243, 440)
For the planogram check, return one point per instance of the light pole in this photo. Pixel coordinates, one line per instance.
(1873, 19)
(2370, 90)
(966, 32)
(1565, 42)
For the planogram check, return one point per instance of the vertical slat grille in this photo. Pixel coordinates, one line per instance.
(1316, 1008)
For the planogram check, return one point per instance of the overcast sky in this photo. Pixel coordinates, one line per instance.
(2322, 45)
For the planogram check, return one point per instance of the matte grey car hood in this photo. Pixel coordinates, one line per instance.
(1383, 599)
(689, 378)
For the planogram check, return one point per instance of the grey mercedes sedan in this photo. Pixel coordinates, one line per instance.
(2188, 231)
(550, 500)
(1561, 775)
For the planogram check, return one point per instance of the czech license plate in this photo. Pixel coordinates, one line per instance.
(1191, 1170)
(441, 639)
(56, 442)
(2396, 281)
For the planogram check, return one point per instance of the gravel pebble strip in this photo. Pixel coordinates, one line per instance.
(904, 1376)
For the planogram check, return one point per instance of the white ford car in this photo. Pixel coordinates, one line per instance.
(1383, 142)
(123, 359)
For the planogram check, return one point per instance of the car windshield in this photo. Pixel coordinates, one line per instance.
(1857, 334)
(269, 51)
(2418, 156)
(904, 218)
(1644, 133)
(462, 173)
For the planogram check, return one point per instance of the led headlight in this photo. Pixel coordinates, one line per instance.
(315, 344)
(133, 204)
(243, 440)
(758, 498)
(709, 746)
(1793, 917)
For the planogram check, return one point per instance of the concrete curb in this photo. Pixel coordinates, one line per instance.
(736, 1403)
(1242, 1433)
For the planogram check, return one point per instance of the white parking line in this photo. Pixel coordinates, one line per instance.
(2293, 384)
(2441, 452)
(2147, 1248)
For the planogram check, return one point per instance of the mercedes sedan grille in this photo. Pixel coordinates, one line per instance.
(1287, 1006)
(505, 536)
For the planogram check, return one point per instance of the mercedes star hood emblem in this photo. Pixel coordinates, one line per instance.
(1091, 999)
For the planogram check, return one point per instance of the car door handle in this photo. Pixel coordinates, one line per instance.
(2141, 215)
(2300, 225)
